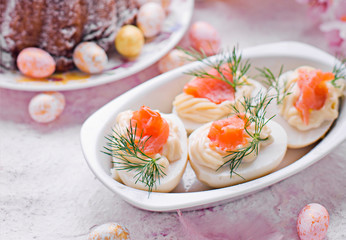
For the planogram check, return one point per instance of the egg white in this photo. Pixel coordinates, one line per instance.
(175, 169)
(295, 137)
(190, 125)
(268, 159)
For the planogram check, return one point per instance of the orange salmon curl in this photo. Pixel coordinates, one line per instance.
(213, 89)
(228, 134)
(151, 128)
(313, 91)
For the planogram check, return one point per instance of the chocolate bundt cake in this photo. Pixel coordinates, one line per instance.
(57, 26)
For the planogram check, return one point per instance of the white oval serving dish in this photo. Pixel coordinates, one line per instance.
(159, 93)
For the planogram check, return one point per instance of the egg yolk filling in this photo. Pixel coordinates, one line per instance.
(212, 87)
(313, 91)
(229, 134)
(151, 128)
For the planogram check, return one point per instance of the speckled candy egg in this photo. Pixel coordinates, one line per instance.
(150, 19)
(35, 63)
(109, 231)
(129, 41)
(313, 222)
(90, 57)
(173, 59)
(142, 2)
(164, 3)
(204, 37)
(46, 107)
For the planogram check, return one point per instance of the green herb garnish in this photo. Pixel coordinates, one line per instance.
(339, 71)
(254, 109)
(124, 145)
(226, 63)
(271, 81)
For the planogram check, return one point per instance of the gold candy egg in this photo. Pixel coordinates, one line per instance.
(129, 41)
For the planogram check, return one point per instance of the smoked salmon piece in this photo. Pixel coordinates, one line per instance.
(313, 91)
(228, 134)
(214, 89)
(152, 128)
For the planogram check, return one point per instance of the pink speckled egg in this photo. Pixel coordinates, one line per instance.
(109, 231)
(313, 222)
(171, 60)
(204, 37)
(150, 19)
(35, 63)
(165, 4)
(90, 57)
(46, 107)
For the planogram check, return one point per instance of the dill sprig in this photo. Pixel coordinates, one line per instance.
(271, 81)
(254, 109)
(339, 71)
(228, 63)
(124, 145)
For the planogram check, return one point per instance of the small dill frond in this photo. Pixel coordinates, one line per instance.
(124, 145)
(228, 63)
(271, 81)
(254, 109)
(339, 71)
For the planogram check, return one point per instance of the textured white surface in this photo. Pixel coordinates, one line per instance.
(47, 191)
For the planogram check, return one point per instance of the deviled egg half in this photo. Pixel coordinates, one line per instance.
(307, 104)
(236, 149)
(210, 101)
(149, 150)
(210, 93)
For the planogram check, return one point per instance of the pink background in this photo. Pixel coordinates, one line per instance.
(48, 192)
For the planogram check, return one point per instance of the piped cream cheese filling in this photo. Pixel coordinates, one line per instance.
(202, 110)
(214, 158)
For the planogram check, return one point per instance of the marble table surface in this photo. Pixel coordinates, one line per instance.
(47, 191)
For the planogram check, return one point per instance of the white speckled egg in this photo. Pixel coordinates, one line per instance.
(35, 63)
(142, 2)
(164, 3)
(171, 60)
(313, 222)
(204, 37)
(46, 107)
(90, 57)
(150, 19)
(109, 231)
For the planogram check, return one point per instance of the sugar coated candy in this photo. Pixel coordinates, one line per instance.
(90, 58)
(204, 37)
(129, 41)
(313, 222)
(46, 107)
(109, 231)
(35, 63)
